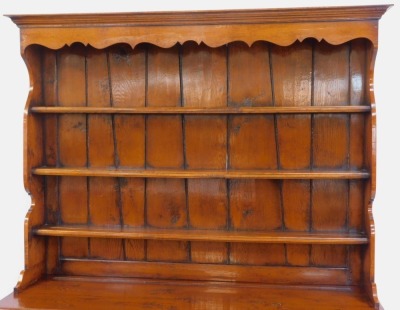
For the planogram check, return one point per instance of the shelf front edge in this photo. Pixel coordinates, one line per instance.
(186, 110)
(200, 174)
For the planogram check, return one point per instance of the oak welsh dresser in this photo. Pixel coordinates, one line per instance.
(200, 160)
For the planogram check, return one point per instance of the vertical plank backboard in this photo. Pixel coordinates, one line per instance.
(254, 204)
(358, 65)
(197, 76)
(358, 82)
(103, 196)
(204, 85)
(330, 198)
(249, 75)
(72, 148)
(292, 77)
(164, 149)
(128, 89)
(50, 123)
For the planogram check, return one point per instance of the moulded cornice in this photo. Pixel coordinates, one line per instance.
(180, 18)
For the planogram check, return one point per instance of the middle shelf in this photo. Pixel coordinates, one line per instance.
(291, 237)
(191, 174)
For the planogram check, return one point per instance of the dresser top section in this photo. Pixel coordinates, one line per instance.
(180, 18)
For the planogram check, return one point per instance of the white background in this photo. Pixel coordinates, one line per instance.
(14, 202)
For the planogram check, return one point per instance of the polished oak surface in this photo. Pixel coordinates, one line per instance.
(103, 293)
(222, 148)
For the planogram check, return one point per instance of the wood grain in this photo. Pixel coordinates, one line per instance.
(127, 78)
(243, 152)
(128, 88)
(291, 68)
(249, 78)
(331, 30)
(50, 123)
(255, 205)
(296, 202)
(206, 197)
(203, 74)
(72, 149)
(330, 199)
(165, 198)
(103, 196)
(357, 205)
(101, 293)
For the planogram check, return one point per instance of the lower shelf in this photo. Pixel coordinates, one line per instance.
(114, 293)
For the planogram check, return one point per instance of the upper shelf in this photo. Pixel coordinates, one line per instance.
(190, 174)
(213, 28)
(185, 110)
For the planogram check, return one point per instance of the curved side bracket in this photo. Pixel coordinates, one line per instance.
(369, 259)
(33, 156)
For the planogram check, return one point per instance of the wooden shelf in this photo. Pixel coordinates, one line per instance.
(194, 174)
(202, 235)
(185, 110)
(121, 294)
